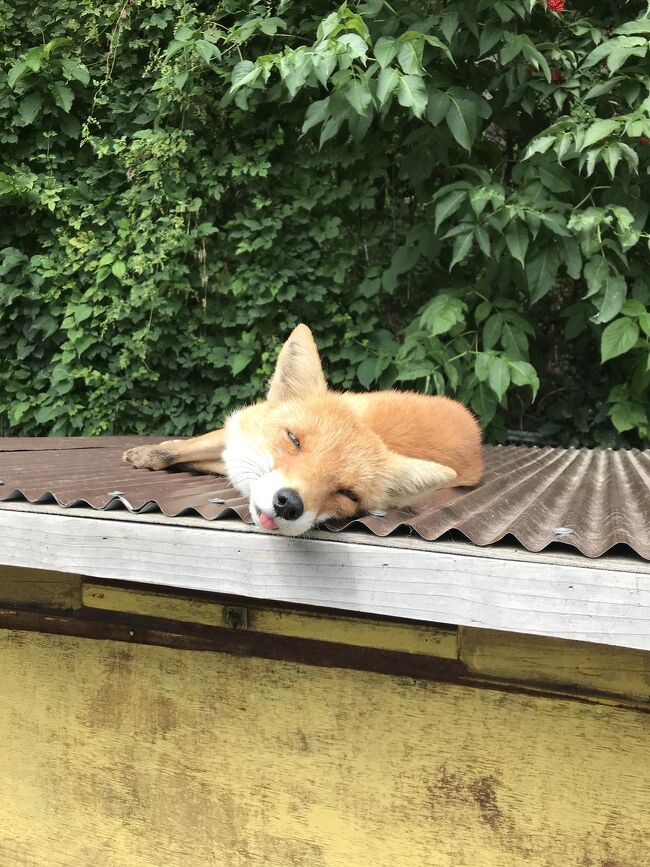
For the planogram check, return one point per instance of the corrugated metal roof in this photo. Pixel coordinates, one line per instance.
(589, 499)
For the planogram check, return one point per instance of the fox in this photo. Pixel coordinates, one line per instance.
(307, 454)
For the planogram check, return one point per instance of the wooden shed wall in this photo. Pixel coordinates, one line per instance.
(133, 755)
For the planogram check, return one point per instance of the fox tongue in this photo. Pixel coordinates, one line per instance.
(267, 523)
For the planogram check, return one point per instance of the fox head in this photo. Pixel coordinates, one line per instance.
(303, 455)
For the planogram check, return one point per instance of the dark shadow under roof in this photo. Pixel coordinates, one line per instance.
(589, 499)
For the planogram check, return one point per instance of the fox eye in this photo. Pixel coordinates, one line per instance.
(294, 439)
(346, 492)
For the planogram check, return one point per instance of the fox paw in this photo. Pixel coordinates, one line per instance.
(149, 457)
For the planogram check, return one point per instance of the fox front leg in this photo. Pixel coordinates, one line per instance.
(205, 450)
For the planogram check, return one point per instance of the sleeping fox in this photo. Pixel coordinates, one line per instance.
(307, 454)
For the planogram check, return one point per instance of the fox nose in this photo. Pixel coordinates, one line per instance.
(287, 504)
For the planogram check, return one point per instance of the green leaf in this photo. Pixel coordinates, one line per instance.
(619, 55)
(358, 95)
(449, 25)
(240, 361)
(595, 273)
(523, 373)
(80, 73)
(316, 113)
(539, 145)
(447, 206)
(356, 46)
(323, 64)
(385, 50)
(436, 43)
(119, 269)
(366, 372)
(483, 240)
(541, 272)
(180, 79)
(634, 308)
(409, 57)
(612, 299)
(462, 246)
(63, 96)
(482, 366)
(644, 322)
(492, 331)
(207, 50)
(386, 83)
(628, 416)
(599, 130)
(244, 72)
(611, 156)
(517, 241)
(572, 257)
(17, 71)
(640, 25)
(462, 122)
(484, 404)
(490, 35)
(441, 314)
(437, 107)
(499, 376)
(29, 108)
(34, 58)
(411, 93)
(619, 337)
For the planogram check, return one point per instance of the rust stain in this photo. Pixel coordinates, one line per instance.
(478, 793)
(483, 790)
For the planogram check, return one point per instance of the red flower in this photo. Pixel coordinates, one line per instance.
(556, 5)
(556, 75)
(644, 140)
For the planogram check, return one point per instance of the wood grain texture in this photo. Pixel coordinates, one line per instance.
(141, 756)
(563, 601)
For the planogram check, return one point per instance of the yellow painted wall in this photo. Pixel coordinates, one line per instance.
(122, 755)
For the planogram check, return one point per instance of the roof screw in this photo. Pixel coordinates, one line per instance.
(216, 500)
(378, 513)
(563, 531)
(116, 493)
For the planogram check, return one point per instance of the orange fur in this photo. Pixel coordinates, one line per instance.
(340, 453)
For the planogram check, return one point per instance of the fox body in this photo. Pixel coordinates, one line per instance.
(306, 454)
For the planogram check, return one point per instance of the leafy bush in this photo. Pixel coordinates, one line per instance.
(455, 196)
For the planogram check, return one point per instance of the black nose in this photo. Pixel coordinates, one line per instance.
(287, 504)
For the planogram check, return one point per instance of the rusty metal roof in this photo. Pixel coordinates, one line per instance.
(589, 499)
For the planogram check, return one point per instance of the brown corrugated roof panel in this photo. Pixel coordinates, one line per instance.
(590, 499)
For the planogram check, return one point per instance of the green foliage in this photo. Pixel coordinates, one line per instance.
(455, 196)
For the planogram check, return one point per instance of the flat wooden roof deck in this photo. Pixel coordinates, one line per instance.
(554, 593)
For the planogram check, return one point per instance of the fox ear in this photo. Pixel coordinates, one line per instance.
(408, 478)
(298, 371)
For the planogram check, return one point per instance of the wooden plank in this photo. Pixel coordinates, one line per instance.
(19, 586)
(536, 660)
(354, 631)
(505, 550)
(561, 601)
(138, 755)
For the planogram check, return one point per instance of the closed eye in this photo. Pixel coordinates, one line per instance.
(294, 439)
(346, 492)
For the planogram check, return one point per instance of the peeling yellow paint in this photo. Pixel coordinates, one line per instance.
(58, 590)
(355, 631)
(140, 756)
(531, 658)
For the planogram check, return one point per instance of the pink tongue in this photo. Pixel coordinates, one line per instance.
(267, 523)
